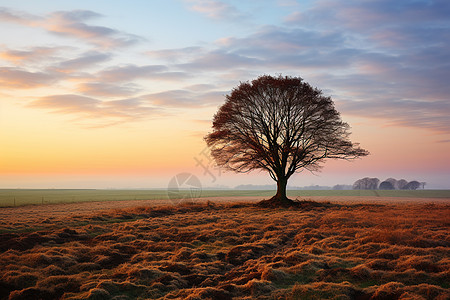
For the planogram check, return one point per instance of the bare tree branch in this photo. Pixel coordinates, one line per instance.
(281, 125)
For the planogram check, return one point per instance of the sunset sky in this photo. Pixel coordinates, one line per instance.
(119, 94)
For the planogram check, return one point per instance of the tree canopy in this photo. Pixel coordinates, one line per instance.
(281, 125)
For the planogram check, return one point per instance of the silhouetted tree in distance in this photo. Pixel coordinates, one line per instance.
(412, 185)
(393, 181)
(401, 184)
(386, 185)
(366, 183)
(281, 125)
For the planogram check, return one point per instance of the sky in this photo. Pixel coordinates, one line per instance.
(119, 94)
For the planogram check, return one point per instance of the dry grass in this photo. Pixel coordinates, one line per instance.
(224, 251)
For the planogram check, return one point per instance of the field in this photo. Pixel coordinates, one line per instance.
(336, 248)
(18, 197)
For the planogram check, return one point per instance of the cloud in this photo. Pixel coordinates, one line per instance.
(384, 22)
(131, 109)
(202, 87)
(176, 55)
(9, 15)
(185, 98)
(42, 66)
(288, 39)
(220, 60)
(67, 104)
(18, 78)
(289, 3)
(114, 111)
(73, 24)
(401, 64)
(91, 110)
(398, 96)
(431, 115)
(274, 47)
(372, 13)
(131, 72)
(104, 89)
(87, 60)
(389, 57)
(33, 54)
(214, 9)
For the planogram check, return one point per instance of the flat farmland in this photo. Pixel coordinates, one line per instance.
(19, 197)
(224, 247)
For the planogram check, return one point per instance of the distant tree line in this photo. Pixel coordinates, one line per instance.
(368, 183)
(341, 187)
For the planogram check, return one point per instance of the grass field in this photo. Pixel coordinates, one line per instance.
(19, 197)
(228, 251)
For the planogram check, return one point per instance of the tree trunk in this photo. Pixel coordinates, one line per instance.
(280, 198)
(281, 189)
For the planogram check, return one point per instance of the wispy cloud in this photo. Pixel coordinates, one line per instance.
(185, 98)
(9, 15)
(87, 60)
(104, 89)
(271, 48)
(403, 112)
(289, 39)
(68, 104)
(18, 78)
(382, 59)
(400, 75)
(73, 24)
(29, 55)
(131, 72)
(215, 9)
(388, 23)
(278, 47)
(219, 60)
(289, 3)
(176, 55)
(114, 111)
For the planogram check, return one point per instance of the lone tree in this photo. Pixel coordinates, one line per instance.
(281, 125)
